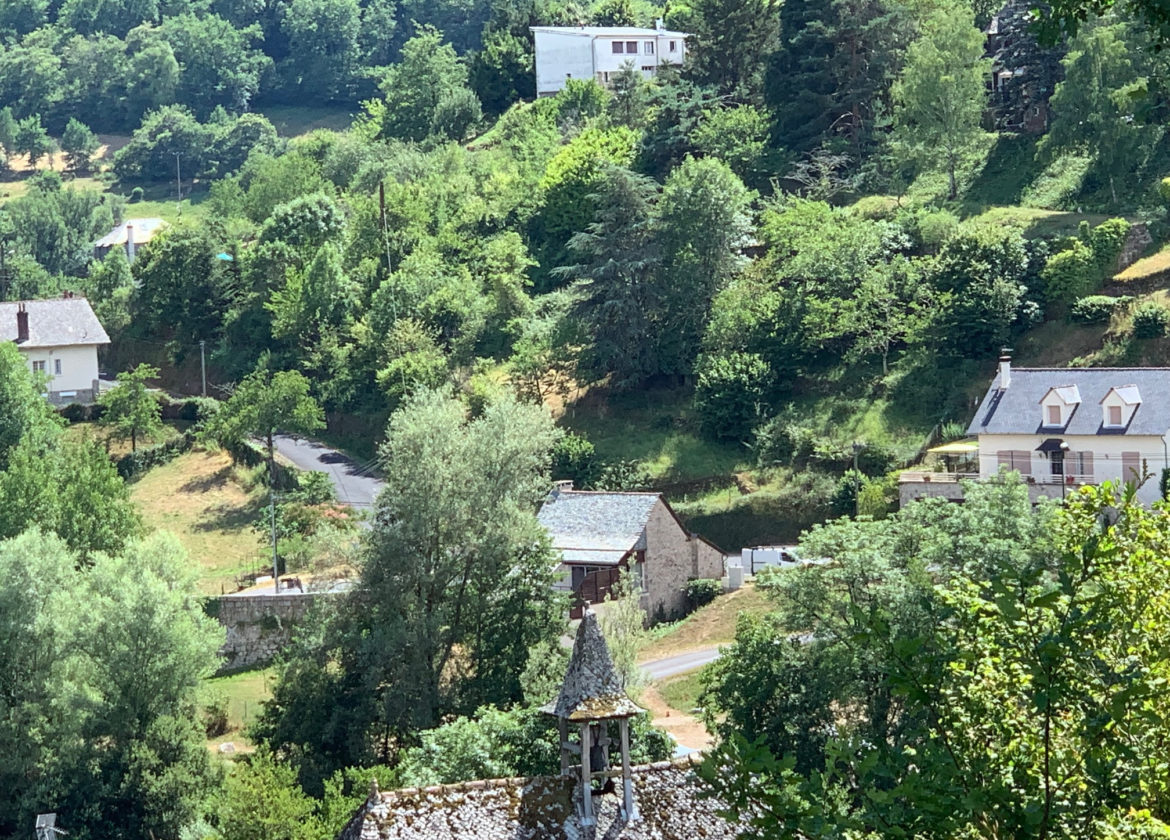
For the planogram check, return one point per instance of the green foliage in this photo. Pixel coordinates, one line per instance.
(1150, 320)
(260, 796)
(623, 624)
(939, 96)
(575, 459)
(426, 92)
(131, 409)
(1106, 240)
(733, 40)
(730, 393)
(1097, 309)
(737, 136)
(264, 403)
(78, 143)
(1070, 274)
(702, 591)
(32, 140)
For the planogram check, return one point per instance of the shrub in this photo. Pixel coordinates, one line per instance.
(1106, 242)
(729, 393)
(1164, 189)
(314, 488)
(702, 591)
(575, 459)
(1097, 309)
(1149, 321)
(1070, 274)
(215, 715)
(136, 195)
(135, 463)
(845, 495)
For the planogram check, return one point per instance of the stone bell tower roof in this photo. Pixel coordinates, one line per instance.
(592, 689)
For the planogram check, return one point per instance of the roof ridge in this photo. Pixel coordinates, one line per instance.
(391, 796)
(1086, 369)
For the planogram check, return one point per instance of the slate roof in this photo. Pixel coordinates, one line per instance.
(59, 322)
(671, 803)
(1016, 409)
(143, 230)
(597, 527)
(612, 31)
(591, 689)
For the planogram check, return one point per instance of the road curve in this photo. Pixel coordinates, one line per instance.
(354, 483)
(672, 666)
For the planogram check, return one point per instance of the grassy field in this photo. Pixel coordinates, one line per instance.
(655, 428)
(92, 431)
(681, 693)
(200, 498)
(713, 624)
(243, 693)
(1146, 269)
(295, 120)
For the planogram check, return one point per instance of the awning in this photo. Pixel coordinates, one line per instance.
(1051, 445)
(959, 447)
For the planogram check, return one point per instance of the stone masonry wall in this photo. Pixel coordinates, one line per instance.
(672, 557)
(259, 626)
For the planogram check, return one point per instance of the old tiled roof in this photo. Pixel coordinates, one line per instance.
(671, 806)
(58, 322)
(1015, 410)
(599, 527)
(591, 689)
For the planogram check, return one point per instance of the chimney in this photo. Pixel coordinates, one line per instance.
(129, 243)
(1005, 369)
(21, 324)
(660, 25)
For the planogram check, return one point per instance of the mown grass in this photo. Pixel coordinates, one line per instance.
(1146, 268)
(681, 693)
(244, 694)
(201, 498)
(296, 120)
(712, 624)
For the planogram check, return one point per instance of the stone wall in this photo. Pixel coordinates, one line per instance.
(260, 626)
(673, 557)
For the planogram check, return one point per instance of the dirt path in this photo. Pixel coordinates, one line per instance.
(686, 729)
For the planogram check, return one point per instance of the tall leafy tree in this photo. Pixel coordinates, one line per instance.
(32, 140)
(732, 44)
(323, 47)
(941, 93)
(428, 74)
(132, 410)
(78, 143)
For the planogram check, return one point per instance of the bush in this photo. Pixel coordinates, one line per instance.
(314, 488)
(845, 500)
(729, 393)
(702, 591)
(1106, 241)
(215, 715)
(1149, 321)
(575, 459)
(136, 195)
(1097, 309)
(1070, 274)
(135, 463)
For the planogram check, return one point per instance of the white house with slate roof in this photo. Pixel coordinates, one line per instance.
(600, 534)
(1064, 427)
(60, 339)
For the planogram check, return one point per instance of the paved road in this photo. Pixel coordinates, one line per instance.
(672, 666)
(354, 483)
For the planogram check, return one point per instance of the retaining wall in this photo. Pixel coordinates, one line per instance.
(260, 626)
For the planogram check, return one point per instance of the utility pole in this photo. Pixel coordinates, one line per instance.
(178, 183)
(272, 514)
(203, 364)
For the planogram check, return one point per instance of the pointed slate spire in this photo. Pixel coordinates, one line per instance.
(591, 689)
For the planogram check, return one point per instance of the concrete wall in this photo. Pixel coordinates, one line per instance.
(260, 626)
(560, 55)
(79, 371)
(672, 558)
(606, 62)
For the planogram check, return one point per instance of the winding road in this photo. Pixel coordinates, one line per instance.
(355, 483)
(672, 666)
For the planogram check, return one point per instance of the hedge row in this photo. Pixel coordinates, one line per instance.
(135, 463)
(192, 409)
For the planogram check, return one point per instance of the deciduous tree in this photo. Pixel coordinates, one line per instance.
(132, 409)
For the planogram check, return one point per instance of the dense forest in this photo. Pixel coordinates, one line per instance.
(761, 282)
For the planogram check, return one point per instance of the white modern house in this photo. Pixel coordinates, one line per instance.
(599, 52)
(1064, 427)
(60, 339)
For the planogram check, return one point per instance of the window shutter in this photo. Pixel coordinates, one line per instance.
(1131, 466)
(1023, 462)
(1087, 465)
(1003, 458)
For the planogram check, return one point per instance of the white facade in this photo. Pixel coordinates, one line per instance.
(72, 371)
(1089, 459)
(600, 52)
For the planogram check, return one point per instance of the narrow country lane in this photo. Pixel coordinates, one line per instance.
(355, 483)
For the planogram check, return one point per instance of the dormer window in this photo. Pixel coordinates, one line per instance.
(1054, 415)
(1058, 406)
(1119, 405)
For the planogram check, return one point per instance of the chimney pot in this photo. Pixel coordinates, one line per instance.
(1005, 371)
(21, 323)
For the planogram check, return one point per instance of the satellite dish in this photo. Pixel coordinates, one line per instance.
(47, 827)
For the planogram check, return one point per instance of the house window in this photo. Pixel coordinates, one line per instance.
(632, 47)
(618, 47)
(648, 48)
(674, 46)
(640, 575)
(56, 367)
(649, 69)
(1054, 415)
(1114, 415)
(1082, 465)
(1019, 460)
(38, 367)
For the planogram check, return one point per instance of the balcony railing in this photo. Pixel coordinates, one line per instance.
(927, 477)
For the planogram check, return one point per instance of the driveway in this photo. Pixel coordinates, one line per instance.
(672, 666)
(355, 483)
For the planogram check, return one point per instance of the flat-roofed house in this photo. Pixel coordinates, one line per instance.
(601, 534)
(59, 338)
(600, 52)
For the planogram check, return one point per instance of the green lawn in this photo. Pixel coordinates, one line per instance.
(244, 693)
(681, 693)
(656, 428)
(296, 120)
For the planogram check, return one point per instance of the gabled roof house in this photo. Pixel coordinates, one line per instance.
(601, 534)
(1063, 427)
(59, 338)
